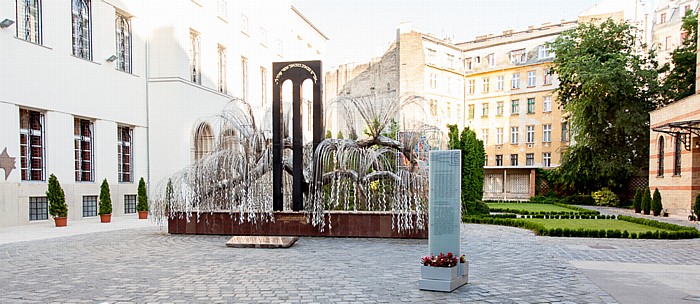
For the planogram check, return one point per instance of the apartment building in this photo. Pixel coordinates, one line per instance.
(115, 89)
(666, 26)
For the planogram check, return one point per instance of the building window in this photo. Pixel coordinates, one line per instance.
(471, 85)
(531, 79)
(203, 141)
(564, 132)
(263, 36)
(514, 135)
(677, 157)
(38, 208)
(661, 156)
(530, 159)
(448, 110)
(83, 150)
(499, 83)
(485, 136)
(31, 145)
(491, 59)
(129, 203)
(515, 82)
(515, 106)
(544, 52)
(195, 68)
(433, 107)
(486, 159)
(530, 106)
(547, 76)
(499, 136)
(89, 206)
(222, 8)
(263, 81)
(244, 24)
(125, 156)
(530, 134)
(123, 35)
(546, 133)
(517, 56)
(433, 80)
(663, 18)
(468, 63)
(547, 104)
(547, 159)
(514, 159)
(471, 111)
(82, 39)
(449, 84)
(668, 43)
(484, 110)
(486, 82)
(432, 56)
(244, 78)
(450, 61)
(499, 108)
(499, 160)
(29, 20)
(222, 69)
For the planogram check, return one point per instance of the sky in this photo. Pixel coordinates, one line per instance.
(359, 30)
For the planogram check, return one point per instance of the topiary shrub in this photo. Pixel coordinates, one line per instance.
(637, 202)
(105, 199)
(656, 204)
(605, 197)
(142, 205)
(696, 206)
(646, 202)
(56, 198)
(633, 235)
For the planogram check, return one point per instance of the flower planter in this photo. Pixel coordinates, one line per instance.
(143, 215)
(60, 221)
(105, 218)
(439, 273)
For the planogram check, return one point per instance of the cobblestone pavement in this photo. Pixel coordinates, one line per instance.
(507, 265)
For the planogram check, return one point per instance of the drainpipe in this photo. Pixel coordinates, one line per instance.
(148, 124)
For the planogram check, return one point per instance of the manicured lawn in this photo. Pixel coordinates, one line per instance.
(529, 207)
(594, 224)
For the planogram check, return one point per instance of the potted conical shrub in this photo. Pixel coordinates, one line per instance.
(656, 204)
(696, 207)
(142, 205)
(646, 201)
(637, 202)
(57, 202)
(105, 203)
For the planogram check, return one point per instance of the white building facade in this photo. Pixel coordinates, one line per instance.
(113, 89)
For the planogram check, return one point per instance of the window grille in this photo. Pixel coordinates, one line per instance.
(29, 20)
(129, 203)
(124, 154)
(123, 34)
(83, 150)
(31, 135)
(38, 208)
(661, 156)
(89, 206)
(82, 36)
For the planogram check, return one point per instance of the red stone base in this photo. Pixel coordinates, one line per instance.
(345, 224)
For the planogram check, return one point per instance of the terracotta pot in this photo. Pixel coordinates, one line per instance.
(105, 218)
(143, 215)
(61, 221)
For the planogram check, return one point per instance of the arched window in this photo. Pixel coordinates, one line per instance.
(661, 156)
(229, 140)
(677, 156)
(82, 44)
(123, 35)
(29, 20)
(203, 141)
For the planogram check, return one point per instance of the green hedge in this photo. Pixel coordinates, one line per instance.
(677, 232)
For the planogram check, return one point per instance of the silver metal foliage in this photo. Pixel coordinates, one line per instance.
(353, 175)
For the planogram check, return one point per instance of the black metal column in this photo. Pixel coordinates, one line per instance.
(319, 127)
(277, 147)
(297, 149)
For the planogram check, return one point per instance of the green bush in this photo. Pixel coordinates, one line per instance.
(605, 197)
(646, 201)
(579, 199)
(56, 198)
(656, 204)
(105, 199)
(142, 197)
(633, 235)
(637, 202)
(625, 234)
(696, 206)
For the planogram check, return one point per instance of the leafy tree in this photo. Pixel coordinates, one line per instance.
(680, 82)
(637, 203)
(105, 199)
(646, 201)
(340, 135)
(392, 129)
(656, 204)
(608, 86)
(142, 197)
(329, 134)
(696, 206)
(56, 198)
(472, 168)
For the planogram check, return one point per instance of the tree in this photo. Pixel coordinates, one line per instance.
(696, 206)
(608, 86)
(680, 82)
(105, 199)
(329, 134)
(56, 198)
(646, 201)
(340, 135)
(472, 168)
(142, 197)
(656, 204)
(637, 203)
